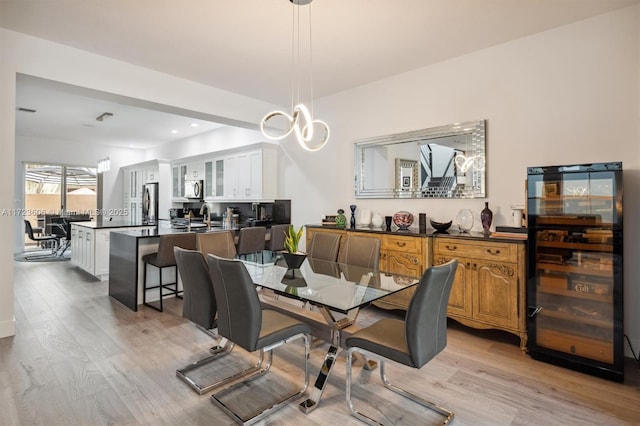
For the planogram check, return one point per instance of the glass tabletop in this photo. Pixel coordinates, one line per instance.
(338, 286)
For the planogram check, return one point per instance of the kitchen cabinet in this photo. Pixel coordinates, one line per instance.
(90, 247)
(178, 173)
(214, 179)
(195, 170)
(489, 288)
(250, 175)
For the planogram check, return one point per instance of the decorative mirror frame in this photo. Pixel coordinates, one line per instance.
(471, 165)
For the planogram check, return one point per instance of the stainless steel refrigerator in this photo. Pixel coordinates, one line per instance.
(150, 203)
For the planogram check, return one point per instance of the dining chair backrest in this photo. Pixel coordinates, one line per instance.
(166, 256)
(239, 309)
(360, 251)
(251, 239)
(324, 246)
(426, 317)
(29, 229)
(277, 237)
(199, 301)
(220, 243)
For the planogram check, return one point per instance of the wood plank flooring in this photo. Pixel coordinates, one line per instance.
(81, 358)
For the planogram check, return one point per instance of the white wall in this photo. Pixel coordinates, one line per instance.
(569, 95)
(215, 140)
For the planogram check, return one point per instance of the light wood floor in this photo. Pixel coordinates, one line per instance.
(81, 358)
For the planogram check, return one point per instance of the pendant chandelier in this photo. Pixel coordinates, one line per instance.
(311, 134)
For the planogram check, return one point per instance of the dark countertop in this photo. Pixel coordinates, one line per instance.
(429, 233)
(99, 224)
(156, 232)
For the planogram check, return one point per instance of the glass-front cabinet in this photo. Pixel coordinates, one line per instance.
(574, 293)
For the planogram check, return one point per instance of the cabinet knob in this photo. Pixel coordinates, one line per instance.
(494, 252)
(401, 244)
(451, 247)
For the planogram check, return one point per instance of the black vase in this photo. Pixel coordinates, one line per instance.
(486, 216)
(353, 215)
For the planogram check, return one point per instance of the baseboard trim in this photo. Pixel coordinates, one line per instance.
(8, 328)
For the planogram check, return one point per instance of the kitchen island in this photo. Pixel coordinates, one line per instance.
(126, 268)
(90, 244)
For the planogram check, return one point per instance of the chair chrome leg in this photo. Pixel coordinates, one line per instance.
(363, 417)
(254, 417)
(223, 348)
(431, 405)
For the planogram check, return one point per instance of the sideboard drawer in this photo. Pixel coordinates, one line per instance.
(402, 243)
(503, 252)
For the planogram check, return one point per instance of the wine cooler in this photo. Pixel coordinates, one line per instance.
(574, 288)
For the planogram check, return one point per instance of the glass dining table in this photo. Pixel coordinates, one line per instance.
(337, 290)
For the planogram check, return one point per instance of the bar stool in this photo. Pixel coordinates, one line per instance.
(251, 240)
(165, 258)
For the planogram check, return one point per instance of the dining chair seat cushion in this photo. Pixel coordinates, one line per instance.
(277, 327)
(386, 337)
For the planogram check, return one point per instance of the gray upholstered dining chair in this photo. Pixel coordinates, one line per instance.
(165, 258)
(412, 342)
(243, 321)
(220, 243)
(324, 246)
(251, 240)
(199, 306)
(278, 234)
(360, 251)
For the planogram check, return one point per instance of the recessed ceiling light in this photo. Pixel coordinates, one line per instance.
(194, 124)
(174, 131)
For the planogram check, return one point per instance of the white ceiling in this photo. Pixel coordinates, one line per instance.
(245, 46)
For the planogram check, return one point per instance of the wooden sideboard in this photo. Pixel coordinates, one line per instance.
(489, 290)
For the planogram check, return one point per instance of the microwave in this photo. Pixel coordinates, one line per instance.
(194, 189)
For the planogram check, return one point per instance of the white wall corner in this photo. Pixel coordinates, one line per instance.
(8, 328)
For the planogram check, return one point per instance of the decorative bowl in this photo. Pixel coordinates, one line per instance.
(403, 220)
(440, 226)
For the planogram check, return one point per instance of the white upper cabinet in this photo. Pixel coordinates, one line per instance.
(178, 174)
(250, 175)
(195, 171)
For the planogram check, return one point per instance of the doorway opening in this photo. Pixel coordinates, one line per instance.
(54, 192)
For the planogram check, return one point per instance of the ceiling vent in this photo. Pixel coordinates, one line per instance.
(104, 116)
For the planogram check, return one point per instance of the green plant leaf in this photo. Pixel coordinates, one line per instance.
(293, 239)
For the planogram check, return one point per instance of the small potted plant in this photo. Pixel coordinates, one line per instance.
(293, 256)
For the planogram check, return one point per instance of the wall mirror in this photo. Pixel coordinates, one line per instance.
(439, 162)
